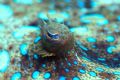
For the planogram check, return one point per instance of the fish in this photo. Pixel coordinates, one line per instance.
(58, 55)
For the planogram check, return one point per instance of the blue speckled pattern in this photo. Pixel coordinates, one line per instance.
(95, 54)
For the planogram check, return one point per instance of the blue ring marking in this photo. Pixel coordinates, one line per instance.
(76, 78)
(67, 1)
(110, 38)
(47, 75)
(16, 76)
(107, 79)
(35, 74)
(62, 78)
(118, 18)
(42, 15)
(54, 67)
(39, 1)
(91, 39)
(93, 74)
(84, 65)
(81, 46)
(37, 39)
(116, 73)
(99, 69)
(4, 60)
(5, 11)
(93, 46)
(101, 59)
(80, 4)
(67, 70)
(110, 49)
(118, 79)
(82, 71)
(115, 59)
(52, 12)
(43, 65)
(69, 64)
(23, 49)
(25, 2)
(35, 56)
(75, 62)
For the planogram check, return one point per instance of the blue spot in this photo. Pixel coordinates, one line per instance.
(102, 59)
(66, 70)
(110, 38)
(17, 35)
(67, 1)
(81, 46)
(4, 60)
(16, 76)
(80, 4)
(118, 18)
(116, 73)
(35, 74)
(26, 2)
(29, 28)
(107, 79)
(62, 78)
(115, 59)
(54, 67)
(80, 29)
(99, 69)
(75, 62)
(93, 46)
(47, 75)
(94, 18)
(118, 78)
(42, 15)
(84, 65)
(69, 64)
(76, 78)
(94, 4)
(1, 26)
(35, 56)
(37, 39)
(39, 1)
(91, 73)
(110, 49)
(43, 65)
(52, 12)
(23, 49)
(59, 20)
(5, 11)
(91, 39)
(82, 71)
(85, 58)
(65, 14)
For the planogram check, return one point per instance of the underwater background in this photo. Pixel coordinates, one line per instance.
(94, 23)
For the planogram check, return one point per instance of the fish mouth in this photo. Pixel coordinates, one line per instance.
(53, 36)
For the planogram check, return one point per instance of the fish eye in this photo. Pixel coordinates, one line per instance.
(53, 36)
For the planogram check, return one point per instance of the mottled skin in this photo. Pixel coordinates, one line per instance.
(59, 51)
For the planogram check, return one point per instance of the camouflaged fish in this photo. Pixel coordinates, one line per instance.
(57, 54)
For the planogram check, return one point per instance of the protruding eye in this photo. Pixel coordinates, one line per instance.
(53, 36)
